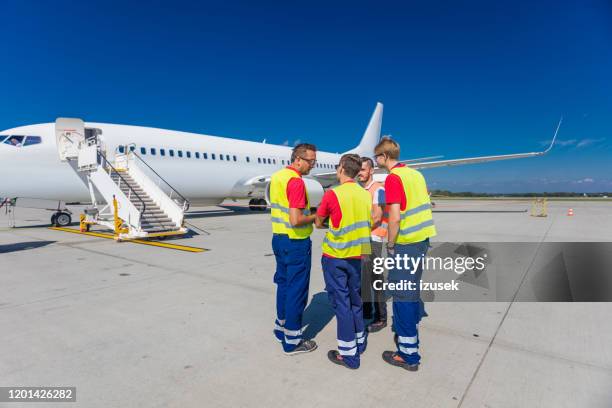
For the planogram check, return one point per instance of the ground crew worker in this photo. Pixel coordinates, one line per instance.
(291, 228)
(348, 207)
(374, 305)
(410, 227)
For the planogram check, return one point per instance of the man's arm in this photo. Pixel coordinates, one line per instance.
(377, 212)
(297, 217)
(324, 210)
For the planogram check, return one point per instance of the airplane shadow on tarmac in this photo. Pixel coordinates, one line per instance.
(317, 315)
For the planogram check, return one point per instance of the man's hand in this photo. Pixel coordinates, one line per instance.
(320, 222)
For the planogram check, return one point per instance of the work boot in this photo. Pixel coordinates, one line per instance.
(305, 346)
(334, 357)
(391, 357)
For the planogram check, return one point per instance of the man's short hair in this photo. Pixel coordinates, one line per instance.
(388, 147)
(367, 160)
(351, 163)
(299, 150)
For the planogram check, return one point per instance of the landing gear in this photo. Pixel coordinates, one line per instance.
(257, 204)
(61, 219)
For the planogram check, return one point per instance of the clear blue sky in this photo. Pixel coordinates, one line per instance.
(475, 79)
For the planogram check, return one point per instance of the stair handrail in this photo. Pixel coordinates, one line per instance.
(143, 205)
(185, 202)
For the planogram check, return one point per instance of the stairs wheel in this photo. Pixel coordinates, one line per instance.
(61, 219)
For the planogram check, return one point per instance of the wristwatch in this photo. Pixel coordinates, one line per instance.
(391, 249)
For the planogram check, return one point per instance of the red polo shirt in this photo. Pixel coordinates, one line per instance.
(394, 189)
(296, 191)
(330, 207)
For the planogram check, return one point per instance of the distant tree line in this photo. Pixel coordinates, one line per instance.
(446, 193)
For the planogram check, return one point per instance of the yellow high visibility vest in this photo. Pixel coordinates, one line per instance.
(416, 221)
(352, 237)
(280, 206)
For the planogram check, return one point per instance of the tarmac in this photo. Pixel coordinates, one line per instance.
(138, 326)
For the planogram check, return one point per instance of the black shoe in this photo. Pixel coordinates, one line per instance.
(377, 326)
(388, 357)
(332, 355)
(305, 346)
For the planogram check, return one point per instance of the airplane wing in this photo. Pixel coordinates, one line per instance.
(479, 159)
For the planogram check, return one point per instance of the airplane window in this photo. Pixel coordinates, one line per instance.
(188, 154)
(269, 161)
(143, 150)
(274, 161)
(171, 151)
(258, 160)
(235, 158)
(153, 151)
(32, 140)
(227, 157)
(248, 159)
(197, 155)
(16, 141)
(212, 156)
(162, 152)
(220, 157)
(205, 155)
(180, 153)
(132, 148)
(121, 149)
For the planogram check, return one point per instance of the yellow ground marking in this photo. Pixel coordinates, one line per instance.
(136, 241)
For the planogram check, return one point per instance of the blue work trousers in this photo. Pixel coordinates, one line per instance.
(292, 278)
(343, 285)
(407, 305)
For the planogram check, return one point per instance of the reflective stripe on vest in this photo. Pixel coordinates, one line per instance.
(279, 204)
(352, 237)
(416, 221)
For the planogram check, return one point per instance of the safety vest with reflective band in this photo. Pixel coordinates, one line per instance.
(380, 228)
(280, 206)
(352, 237)
(416, 220)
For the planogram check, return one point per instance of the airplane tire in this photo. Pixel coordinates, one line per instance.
(62, 219)
(262, 204)
(53, 217)
(253, 204)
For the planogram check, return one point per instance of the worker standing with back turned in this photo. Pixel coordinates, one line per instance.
(410, 227)
(291, 228)
(348, 207)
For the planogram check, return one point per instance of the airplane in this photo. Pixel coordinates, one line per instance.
(205, 169)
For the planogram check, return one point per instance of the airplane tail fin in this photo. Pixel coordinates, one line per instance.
(371, 135)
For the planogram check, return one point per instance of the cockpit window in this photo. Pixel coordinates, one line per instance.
(16, 141)
(2, 137)
(32, 140)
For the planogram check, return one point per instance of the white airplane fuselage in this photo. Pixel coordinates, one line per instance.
(36, 170)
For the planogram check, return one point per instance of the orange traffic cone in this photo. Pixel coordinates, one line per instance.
(570, 212)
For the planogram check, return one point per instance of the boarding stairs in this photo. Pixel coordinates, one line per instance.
(128, 196)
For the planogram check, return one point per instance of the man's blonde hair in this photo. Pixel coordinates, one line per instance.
(388, 147)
